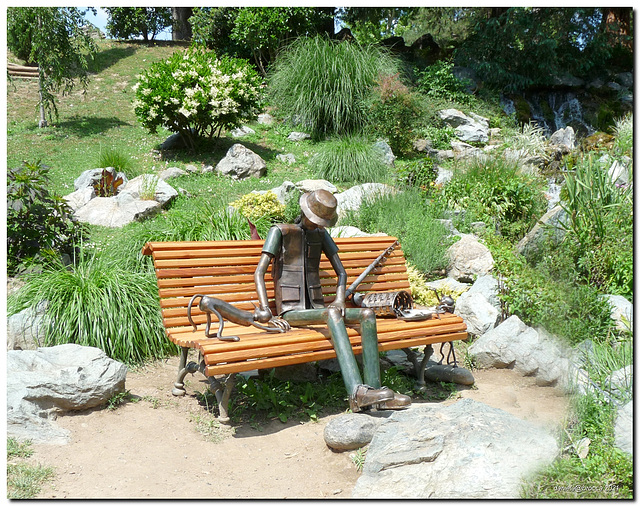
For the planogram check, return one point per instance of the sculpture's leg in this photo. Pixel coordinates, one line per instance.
(222, 390)
(339, 339)
(369, 332)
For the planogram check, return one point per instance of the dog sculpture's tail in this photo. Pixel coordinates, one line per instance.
(224, 310)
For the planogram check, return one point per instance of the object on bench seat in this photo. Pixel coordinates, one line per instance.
(224, 269)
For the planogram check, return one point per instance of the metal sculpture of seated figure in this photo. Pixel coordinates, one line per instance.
(295, 250)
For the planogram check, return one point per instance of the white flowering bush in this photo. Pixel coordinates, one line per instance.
(196, 94)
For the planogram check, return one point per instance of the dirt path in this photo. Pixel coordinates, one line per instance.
(152, 449)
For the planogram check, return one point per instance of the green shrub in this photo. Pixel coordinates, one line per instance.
(409, 217)
(350, 159)
(195, 94)
(438, 81)
(256, 205)
(494, 191)
(96, 302)
(393, 113)
(440, 137)
(324, 84)
(112, 157)
(419, 173)
(39, 224)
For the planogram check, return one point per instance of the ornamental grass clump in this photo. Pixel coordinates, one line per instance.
(96, 302)
(196, 94)
(350, 159)
(324, 84)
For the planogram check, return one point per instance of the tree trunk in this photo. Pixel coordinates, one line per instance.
(43, 118)
(617, 21)
(181, 27)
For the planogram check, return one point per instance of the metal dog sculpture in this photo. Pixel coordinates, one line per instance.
(223, 309)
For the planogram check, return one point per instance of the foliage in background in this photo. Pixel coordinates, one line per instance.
(212, 27)
(393, 113)
(494, 191)
(605, 472)
(254, 206)
(323, 84)
(96, 288)
(438, 81)
(372, 24)
(39, 224)
(601, 219)
(349, 159)
(266, 29)
(54, 39)
(422, 294)
(515, 48)
(193, 93)
(24, 480)
(133, 22)
(418, 173)
(409, 217)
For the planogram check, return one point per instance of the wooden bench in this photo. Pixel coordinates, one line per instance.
(224, 269)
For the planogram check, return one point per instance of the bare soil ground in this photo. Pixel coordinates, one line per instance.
(168, 447)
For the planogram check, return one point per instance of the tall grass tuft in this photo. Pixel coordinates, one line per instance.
(409, 217)
(96, 302)
(111, 157)
(350, 159)
(623, 130)
(324, 83)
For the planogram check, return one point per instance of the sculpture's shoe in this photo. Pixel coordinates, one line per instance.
(367, 396)
(399, 401)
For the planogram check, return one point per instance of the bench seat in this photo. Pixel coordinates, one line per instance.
(224, 269)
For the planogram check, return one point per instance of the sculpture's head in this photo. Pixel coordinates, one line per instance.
(319, 208)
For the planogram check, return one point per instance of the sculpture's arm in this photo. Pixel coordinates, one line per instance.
(341, 287)
(263, 313)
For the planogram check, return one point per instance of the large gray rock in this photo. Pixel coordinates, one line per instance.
(242, 131)
(387, 153)
(172, 172)
(26, 329)
(283, 192)
(353, 430)
(620, 383)
(116, 212)
(80, 197)
(288, 158)
(468, 258)
(564, 137)
(549, 228)
(240, 163)
(352, 199)
(467, 450)
(298, 136)
(467, 129)
(621, 311)
(265, 119)
(528, 351)
(150, 187)
(311, 185)
(624, 428)
(45, 382)
(487, 286)
(477, 312)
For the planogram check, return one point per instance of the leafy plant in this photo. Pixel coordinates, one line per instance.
(440, 137)
(358, 458)
(97, 289)
(149, 186)
(349, 159)
(323, 84)
(495, 192)
(108, 184)
(194, 93)
(393, 112)
(419, 173)
(438, 81)
(39, 224)
(256, 205)
(529, 140)
(116, 400)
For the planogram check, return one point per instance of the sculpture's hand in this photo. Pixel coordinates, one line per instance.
(262, 314)
(281, 324)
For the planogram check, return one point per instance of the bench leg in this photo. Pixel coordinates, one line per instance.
(183, 369)
(223, 389)
(419, 366)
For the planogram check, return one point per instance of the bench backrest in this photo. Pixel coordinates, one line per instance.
(224, 269)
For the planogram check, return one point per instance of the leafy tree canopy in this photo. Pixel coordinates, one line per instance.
(53, 38)
(372, 24)
(130, 22)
